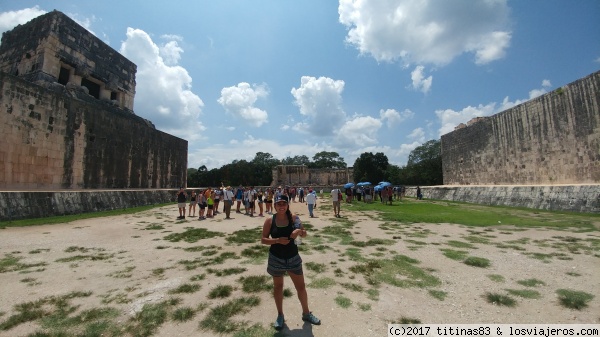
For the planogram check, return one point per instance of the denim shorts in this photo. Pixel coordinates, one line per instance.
(278, 267)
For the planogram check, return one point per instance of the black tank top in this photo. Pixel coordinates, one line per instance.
(283, 251)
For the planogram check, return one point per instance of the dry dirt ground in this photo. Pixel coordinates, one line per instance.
(361, 272)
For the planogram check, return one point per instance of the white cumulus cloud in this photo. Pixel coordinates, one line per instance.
(427, 31)
(419, 82)
(320, 101)
(10, 19)
(239, 101)
(392, 117)
(359, 131)
(163, 90)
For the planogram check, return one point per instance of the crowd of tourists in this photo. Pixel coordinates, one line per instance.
(246, 200)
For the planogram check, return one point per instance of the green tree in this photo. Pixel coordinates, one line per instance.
(263, 164)
(328, 160)
(192, 177)
(424, 165)
(296, 160)
(371, 167)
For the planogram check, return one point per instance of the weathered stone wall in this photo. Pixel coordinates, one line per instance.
(301, 175)
(572, 198)
(552, 139)
(38, 50)
(26, 205)
(54, 138)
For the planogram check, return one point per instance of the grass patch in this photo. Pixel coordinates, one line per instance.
(51, 308)
(436, 211)
(150, 318)
(226, 272)
(457, 255)
(353, 287)
(322, 283)
(316, 267)
(574, 299)
(186, 288)
(219, 318)
(220, 291)
(11, 263)
(532, 282)
(438, 294)
(364, 306)
(525, 293)
(69, 218)
(183, 314)
(479, 262)
(572, 273)
(496, 278)
(401, 271)
(192, 235)
(245, 236)
(255, 284)
(154, 227)
(460, 244)
(499, 299)
(256, 252)
(343, 301)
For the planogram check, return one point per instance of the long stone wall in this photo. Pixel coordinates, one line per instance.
(552, 139)
(572, 198)
(300, 175)
(26, 205)
(55, 138)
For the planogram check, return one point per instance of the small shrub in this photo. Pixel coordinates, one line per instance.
(479, 262)
(573, 299)
(499, 299)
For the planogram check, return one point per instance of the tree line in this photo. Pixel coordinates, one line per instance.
(424, 167)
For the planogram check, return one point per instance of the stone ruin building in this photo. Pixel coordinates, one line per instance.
(300, 175)
(66, 114)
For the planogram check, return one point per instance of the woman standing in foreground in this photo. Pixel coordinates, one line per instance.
(279, 233)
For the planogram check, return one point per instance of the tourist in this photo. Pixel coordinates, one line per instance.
(217, 194)
(336, 199)
(278, 232)
(202, 204)
(192, 204)
(259, 197)
(210, 204)
(227, 202)
(419, 194)
(269, 200)
(239, 196)
(181, 200)
(311, 201)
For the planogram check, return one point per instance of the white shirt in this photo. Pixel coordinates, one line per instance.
(334, 194)
(311, 198)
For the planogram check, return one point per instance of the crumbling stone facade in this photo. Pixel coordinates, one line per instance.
(59, 133)
(53, 48)
(301, 175)
(552, 139)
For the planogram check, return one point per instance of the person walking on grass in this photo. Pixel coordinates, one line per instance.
(336, 198)
(279, 233)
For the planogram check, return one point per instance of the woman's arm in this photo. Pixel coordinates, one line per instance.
(266, 240)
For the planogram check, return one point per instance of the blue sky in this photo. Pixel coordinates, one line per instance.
(236, 77)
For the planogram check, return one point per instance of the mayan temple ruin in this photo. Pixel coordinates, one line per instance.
(67, 115)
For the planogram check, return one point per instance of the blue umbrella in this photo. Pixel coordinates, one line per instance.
(385, 184)
(363, 183)
(377, 188)
(349, 185)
